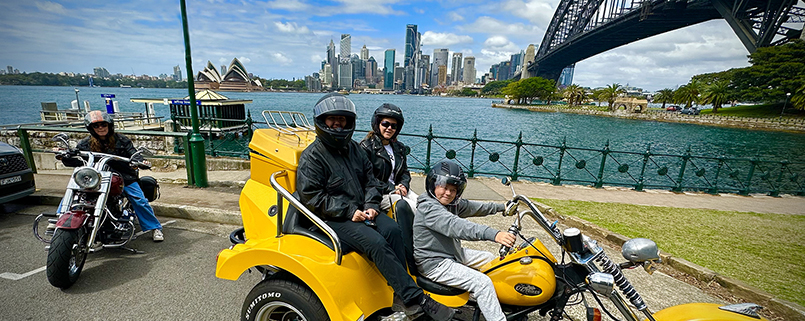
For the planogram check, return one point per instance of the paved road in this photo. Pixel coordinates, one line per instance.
(172, 280)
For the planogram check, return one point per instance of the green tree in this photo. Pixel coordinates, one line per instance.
(574, 94)
(717, 94)
(775, 71)
(610, 93)
(798, 98)
(493, 88)
(689, 93)
(664, 96)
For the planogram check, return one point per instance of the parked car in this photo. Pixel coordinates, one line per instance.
(16, 177)
(690, 111)
(673, 108)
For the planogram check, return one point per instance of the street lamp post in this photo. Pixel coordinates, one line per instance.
(77, 102)
(787, 95)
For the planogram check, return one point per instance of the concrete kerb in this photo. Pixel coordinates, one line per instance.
(788, 310)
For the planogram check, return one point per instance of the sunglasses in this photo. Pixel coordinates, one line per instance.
(99, 125)
(388, 124)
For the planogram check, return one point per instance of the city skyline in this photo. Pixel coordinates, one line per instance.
(288, 39)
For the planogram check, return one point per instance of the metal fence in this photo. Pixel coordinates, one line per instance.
(562, 164)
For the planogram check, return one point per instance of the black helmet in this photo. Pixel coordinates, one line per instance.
(443, 173)
(387, 110)
(97, 116)
(334, 104)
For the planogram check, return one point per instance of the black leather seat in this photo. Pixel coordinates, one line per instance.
(295, 222)
(405, 218)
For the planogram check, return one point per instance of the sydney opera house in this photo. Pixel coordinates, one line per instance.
(235, 79)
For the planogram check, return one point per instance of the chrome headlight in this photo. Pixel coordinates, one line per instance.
(87, 178)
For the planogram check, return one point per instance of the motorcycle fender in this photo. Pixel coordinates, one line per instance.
(700, 312)
(71, 220)
(347, 291)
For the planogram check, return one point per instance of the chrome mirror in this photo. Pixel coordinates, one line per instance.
(61, 138)
(602, 283)
(505, 181)
(640, 250)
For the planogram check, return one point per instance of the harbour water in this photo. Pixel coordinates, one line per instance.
(455, 117)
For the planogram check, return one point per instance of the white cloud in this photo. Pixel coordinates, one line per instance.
(280, 58)
(453, 16)
(51, 7)
(291, 27)
(430, 38)
(491, 25)
(244, 60)
(381, 7)
(289, 5)
(316, 58)
(538, 12)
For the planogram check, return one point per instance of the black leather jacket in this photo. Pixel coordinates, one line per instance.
(382, 163)
(123, 148)
(334, 183)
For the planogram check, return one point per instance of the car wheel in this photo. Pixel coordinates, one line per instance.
(281, 300)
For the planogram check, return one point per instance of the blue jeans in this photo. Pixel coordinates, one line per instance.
(145, 214)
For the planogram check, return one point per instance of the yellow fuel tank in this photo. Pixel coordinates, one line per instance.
(523, 278)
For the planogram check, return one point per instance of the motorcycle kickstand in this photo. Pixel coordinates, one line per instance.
(132, 250)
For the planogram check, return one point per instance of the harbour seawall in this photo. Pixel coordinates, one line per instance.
(776, 124)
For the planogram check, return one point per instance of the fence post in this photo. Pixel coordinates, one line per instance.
(714, 189)
(474, 141)
(604, 153)
(558, 179)
(25, 144)
(776, 191)
(519, 144)
(646, 156)
(427, 155)
(745, 190)
(685, 159)
(188, 159)
(249, 123)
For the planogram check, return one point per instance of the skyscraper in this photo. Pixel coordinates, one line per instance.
(388, 64)
(346, 45)
(332, 60)
(364, 53)
(566, 77)
(177, 73)
(469, 70)
(423, 72)
(516, 63)
(440, 57)
(455, 73)
(411, 60)
(371, 70)
(410, 44)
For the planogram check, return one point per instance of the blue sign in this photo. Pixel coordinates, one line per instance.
(184, 102)
(108, 95)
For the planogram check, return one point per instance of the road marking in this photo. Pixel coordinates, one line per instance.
(163, 224)
(16, 277)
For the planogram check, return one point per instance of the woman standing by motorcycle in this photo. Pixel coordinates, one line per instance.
(387, 155)
(103, 139)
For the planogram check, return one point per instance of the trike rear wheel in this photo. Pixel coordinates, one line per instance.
(282, 300)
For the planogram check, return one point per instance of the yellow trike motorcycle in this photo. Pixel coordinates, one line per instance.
(308, 274)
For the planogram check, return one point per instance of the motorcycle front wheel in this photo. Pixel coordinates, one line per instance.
(281, 300)
(66, 256)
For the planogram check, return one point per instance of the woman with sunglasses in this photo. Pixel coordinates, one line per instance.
(387, 155)
(103, 139)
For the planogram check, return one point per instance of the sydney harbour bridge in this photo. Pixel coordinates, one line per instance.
(584, 28)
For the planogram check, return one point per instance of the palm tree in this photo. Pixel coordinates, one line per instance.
(574, 94)
(611, 93)
(664, 96)
(717, 94)
(798, 98)
(688, 94)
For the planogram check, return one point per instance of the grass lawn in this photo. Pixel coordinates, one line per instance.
(760, 111)
(764, 250)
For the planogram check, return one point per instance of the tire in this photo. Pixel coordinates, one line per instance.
(66, 257)
(281, 300)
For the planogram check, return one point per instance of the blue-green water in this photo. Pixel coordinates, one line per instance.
(456, 117)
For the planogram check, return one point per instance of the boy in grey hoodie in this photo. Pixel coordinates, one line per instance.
(440, 225)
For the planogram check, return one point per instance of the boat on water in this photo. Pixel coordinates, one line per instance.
(343, 92)
(125, 86)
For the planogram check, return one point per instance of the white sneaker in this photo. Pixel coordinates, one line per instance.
(158, 236)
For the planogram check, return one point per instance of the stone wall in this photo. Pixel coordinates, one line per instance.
(784, 124)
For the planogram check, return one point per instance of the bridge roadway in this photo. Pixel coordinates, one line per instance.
(174, 280)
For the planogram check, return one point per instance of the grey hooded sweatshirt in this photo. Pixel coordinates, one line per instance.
(438, 229)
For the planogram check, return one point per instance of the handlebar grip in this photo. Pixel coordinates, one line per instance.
(503, 251)
(140, 165)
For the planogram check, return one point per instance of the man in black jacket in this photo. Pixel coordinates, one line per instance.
(335, 181)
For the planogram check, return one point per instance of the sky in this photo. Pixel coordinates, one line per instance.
(288, 38)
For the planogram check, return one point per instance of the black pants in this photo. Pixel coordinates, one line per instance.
(383, 245)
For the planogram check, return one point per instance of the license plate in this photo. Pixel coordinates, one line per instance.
(11, 180)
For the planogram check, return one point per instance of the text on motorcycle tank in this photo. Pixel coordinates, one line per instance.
(527, 289)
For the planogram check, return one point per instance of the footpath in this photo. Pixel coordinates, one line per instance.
(218, 203)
